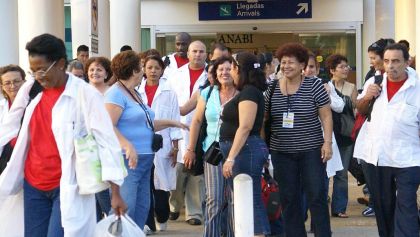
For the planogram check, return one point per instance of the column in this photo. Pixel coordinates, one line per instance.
(81, 17)
(405, 22)
(35, 18)
(9, 47)
(103, 29)
(124, 24)
(385, 18)
(80, 24)
(369, 35)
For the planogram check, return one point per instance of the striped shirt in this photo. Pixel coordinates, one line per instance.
(306, 133)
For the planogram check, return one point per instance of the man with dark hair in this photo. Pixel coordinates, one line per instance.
(179, 58)
(389, 142)
(125, 48)
(82, 53)
(411, 60)
(218, 50)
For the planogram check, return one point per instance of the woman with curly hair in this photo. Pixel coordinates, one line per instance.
(300, 110)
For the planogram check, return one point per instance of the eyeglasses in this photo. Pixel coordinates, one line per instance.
(41, 73)
(10, 83)
(344, 67)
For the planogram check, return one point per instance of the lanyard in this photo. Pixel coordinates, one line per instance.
(140, 102)
(289, 97)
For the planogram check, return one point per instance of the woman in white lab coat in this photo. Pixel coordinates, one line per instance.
(157, 93)
(53, 205)
(11, 208)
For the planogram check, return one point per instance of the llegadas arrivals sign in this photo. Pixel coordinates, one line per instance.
(262, 9)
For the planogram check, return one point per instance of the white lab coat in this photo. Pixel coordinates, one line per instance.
(165, 106)
(78, 213)
(180, 83)
(11, 207)
(172, 67)
(392, 137)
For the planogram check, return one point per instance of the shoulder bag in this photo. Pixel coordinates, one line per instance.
(88, 164)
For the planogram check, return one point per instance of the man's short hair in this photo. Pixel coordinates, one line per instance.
(218, 46)
(405, 43)
(401, 47)
(125, 48)
(82, 48)
(75, 64)
(49, 46)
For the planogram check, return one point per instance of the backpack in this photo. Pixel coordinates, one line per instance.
(271, 196)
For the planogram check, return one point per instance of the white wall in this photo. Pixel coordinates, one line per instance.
(161, 12)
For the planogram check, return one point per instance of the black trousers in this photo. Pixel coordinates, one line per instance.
(159, 205)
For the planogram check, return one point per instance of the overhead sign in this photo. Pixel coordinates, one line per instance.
(263, 9)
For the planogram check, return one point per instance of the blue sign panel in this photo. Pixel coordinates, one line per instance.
(263, 9)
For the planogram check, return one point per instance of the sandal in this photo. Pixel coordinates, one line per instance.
(340, 215)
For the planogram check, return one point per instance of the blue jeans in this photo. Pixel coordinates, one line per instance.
(340, 192)
(250, 160)
(395, 204)
(136, 189)
(294, 171)
(42, 212)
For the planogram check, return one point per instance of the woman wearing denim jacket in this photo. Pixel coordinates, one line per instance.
(240, 142)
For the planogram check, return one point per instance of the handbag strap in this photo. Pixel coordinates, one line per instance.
(140, 102)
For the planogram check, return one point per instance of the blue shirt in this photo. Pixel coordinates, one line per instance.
(212, 113)
(133, 123)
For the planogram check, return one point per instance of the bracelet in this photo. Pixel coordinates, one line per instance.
(230, 160)
(190, 150)
(175, 148)
(328, 141)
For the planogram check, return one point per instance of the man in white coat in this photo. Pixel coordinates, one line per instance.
(390, 143)
(179, 58)
(185, 81)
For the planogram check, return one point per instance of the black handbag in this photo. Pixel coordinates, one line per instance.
(198, 167)
(213, 155)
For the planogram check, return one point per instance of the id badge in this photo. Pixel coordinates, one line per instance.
(288, 119)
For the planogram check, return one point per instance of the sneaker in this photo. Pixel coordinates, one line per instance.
(147, 230)
(368, 212)
(162, 226)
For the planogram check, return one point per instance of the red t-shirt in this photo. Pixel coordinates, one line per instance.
(393, 87)
(194, 75)
(43, 164)
(150, 93)
(180, 61)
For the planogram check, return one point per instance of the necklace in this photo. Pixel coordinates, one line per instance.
(225, 98)
(300, 83)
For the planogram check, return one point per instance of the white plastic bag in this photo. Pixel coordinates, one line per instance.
(11, 215)
(129, 227)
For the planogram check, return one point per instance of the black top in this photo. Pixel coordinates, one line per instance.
(306, 133)
(230, 114)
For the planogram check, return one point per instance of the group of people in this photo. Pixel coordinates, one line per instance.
(147, 114)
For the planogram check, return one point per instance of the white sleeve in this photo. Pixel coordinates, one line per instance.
(337, 103)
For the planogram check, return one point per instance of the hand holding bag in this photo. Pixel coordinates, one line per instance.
(88, 164)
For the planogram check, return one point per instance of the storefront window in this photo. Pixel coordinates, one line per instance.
(321, 44)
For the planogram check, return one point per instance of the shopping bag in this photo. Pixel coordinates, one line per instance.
(88, 164)
(113, 226)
